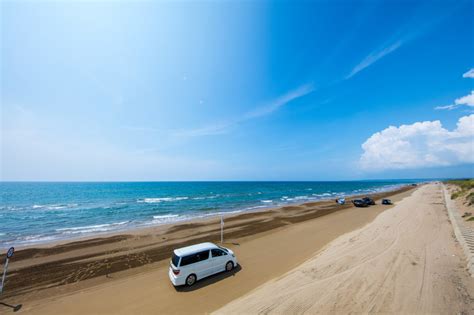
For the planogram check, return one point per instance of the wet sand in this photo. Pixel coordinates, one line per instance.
(128, 273)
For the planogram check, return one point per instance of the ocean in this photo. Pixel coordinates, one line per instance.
(42, 212)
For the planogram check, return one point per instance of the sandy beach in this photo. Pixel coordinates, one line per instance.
(312, 258)
(406, 261)
(237, 157)
(135, 264)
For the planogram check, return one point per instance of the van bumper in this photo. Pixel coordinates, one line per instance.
(175, 280)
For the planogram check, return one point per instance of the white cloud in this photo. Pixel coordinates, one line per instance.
(279, 102)
(466, 100)
(373, 57)
(422, 144)
(469, 74)
(224, 127)
(448, 107)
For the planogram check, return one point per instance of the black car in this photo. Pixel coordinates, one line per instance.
(368, 201)
(386, 202)
(359, 203)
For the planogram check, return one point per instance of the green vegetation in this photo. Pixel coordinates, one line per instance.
(464, 184)
(465, 187)
(470, 219)
(470, 198)
(456, 194)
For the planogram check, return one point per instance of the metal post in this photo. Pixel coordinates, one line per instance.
(4, 274)
(10, 252)
(222, 229)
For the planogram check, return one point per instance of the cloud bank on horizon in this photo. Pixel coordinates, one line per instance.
(420, 145)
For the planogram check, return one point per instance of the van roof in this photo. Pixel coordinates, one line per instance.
(183, 251)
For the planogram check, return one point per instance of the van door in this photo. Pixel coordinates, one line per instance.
(219, 259)
(203, 266)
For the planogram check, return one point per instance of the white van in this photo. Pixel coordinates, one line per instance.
(192, 263)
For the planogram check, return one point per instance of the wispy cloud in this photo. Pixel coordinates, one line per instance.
(469, 74)
(467, 100)
(414, 28)
(224, 127)
(279, 102)
(446, 107)
(374, 57)
(209, 130)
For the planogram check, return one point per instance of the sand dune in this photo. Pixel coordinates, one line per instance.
(405, 261)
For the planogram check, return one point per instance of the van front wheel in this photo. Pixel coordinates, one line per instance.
(229, 266)
(190, 280)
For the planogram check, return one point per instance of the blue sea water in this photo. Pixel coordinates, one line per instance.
(41, 212)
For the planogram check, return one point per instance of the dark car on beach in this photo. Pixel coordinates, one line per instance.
(359, 203)
(368, 201)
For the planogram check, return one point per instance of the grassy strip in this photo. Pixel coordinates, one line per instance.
(465, 186)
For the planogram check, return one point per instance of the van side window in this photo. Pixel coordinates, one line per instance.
(194, 258)
(203, 255)
(217, 252)
(188, 260)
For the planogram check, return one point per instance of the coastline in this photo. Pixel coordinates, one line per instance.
(36, 268)
(143, 228)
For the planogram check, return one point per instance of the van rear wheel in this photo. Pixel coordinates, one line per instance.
(190, 280)
(229, 266)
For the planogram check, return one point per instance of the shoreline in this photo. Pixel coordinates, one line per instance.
(129, 273)
(38, 268)
(136, 229)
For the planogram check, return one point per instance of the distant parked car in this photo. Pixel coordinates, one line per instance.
(368, 201)
(192, 263)
(386, 202)
(359, 203)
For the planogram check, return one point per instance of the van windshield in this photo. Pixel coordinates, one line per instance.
(224, 249)
(175, 260)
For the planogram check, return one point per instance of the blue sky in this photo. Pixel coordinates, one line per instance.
(236, 90)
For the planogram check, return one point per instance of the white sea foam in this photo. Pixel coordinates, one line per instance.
(301, 197)
(55, 206)
(206, 197)
(91, 228)
(266, 201)
(165, 216)
(255, 207)
(161, 199)
(36, 239)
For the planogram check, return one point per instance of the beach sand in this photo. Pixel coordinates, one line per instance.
(406, 261)
(128, 273)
